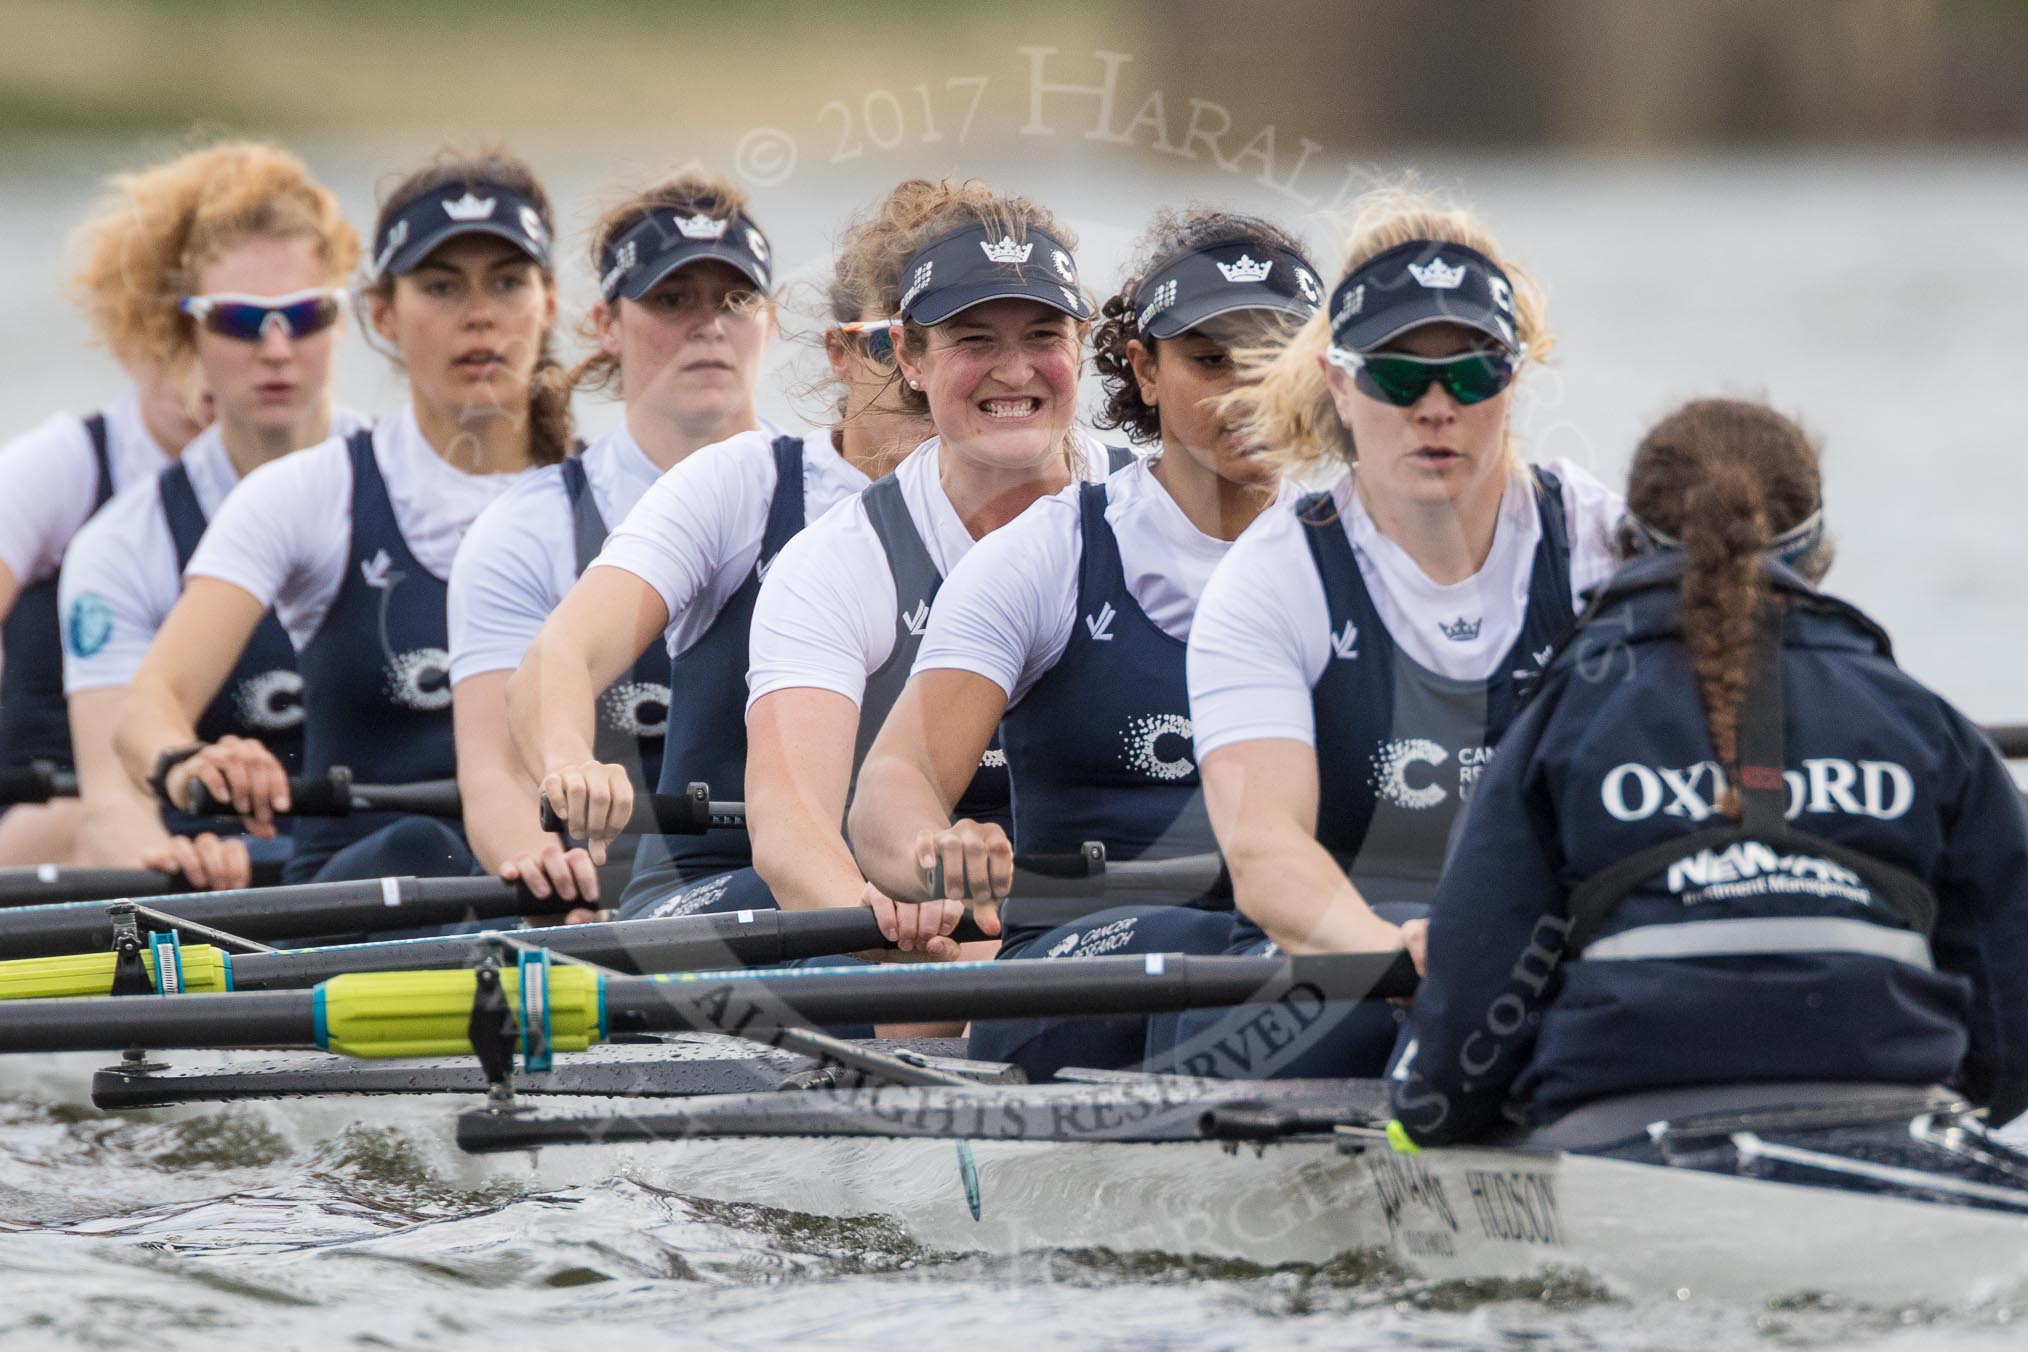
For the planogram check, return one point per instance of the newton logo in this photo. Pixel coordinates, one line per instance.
(89, 625)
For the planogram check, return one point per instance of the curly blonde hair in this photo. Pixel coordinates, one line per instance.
(140, 252)
(1282, 400)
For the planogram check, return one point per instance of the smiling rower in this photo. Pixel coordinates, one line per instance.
(351, 542)
(990, 341)
(1070, 622)
(681, 326)
(265, 255)
(1356, 657)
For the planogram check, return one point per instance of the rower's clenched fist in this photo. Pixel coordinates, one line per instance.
(567, 875)
(916, 927)
(206, 862)
(239, 772)
(595, 801)
(968, 861)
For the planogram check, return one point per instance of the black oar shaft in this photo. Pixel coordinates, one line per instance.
(50, 883)
(678, 944)
(114, 1023)
(36, 782)
(2011, 738)
(334, 794)
(1009, 990)
(267, 913)
(739, 1003)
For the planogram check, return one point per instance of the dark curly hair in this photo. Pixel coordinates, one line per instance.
(1171, 235)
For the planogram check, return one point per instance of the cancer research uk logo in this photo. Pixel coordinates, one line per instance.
(1412, 772)
(89, 626)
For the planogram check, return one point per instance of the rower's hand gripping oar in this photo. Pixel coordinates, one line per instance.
(334, 794)
(1061, 889)
(690, 813)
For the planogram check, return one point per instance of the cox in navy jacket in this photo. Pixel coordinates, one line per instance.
(1735, 964)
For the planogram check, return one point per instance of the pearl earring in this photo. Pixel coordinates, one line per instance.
(915, 384)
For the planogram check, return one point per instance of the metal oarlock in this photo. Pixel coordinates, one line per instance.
(130, 974)
(493, 1031)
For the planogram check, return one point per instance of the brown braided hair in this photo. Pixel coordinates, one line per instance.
(1168, 237)
(550, 437)
(1724, 477)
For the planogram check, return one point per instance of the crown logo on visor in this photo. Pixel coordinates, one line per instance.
(1007, 251)
(701, 226)
(1246, 270)
(1461, 630)
(470, 208)
(1437, 275)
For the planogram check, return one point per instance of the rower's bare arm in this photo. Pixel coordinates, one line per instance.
(122, 821)
(926, 754)
(798, 770)
(592, 637)
(1262, 796)
(193, 653)
(605, 622)
(10, 587)
(498, 798)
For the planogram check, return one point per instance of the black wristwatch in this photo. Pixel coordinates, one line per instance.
(169, 759)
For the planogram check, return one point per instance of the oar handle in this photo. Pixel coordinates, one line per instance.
(333, 794)
(36, 782)
(1087, 875)
(2011, 738)
(689, 813)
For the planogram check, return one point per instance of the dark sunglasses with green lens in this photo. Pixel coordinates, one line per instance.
(1400, 379)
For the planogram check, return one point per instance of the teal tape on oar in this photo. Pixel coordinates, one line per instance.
(535, 1053)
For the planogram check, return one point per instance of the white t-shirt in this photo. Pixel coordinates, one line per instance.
(124, 561)
(696, 534)
(1262, 635)
(1008, 610)
(826, 613)
(520, 557)
(285, 534)
(49, 483)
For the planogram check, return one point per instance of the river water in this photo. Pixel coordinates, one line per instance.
(1869, 295)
